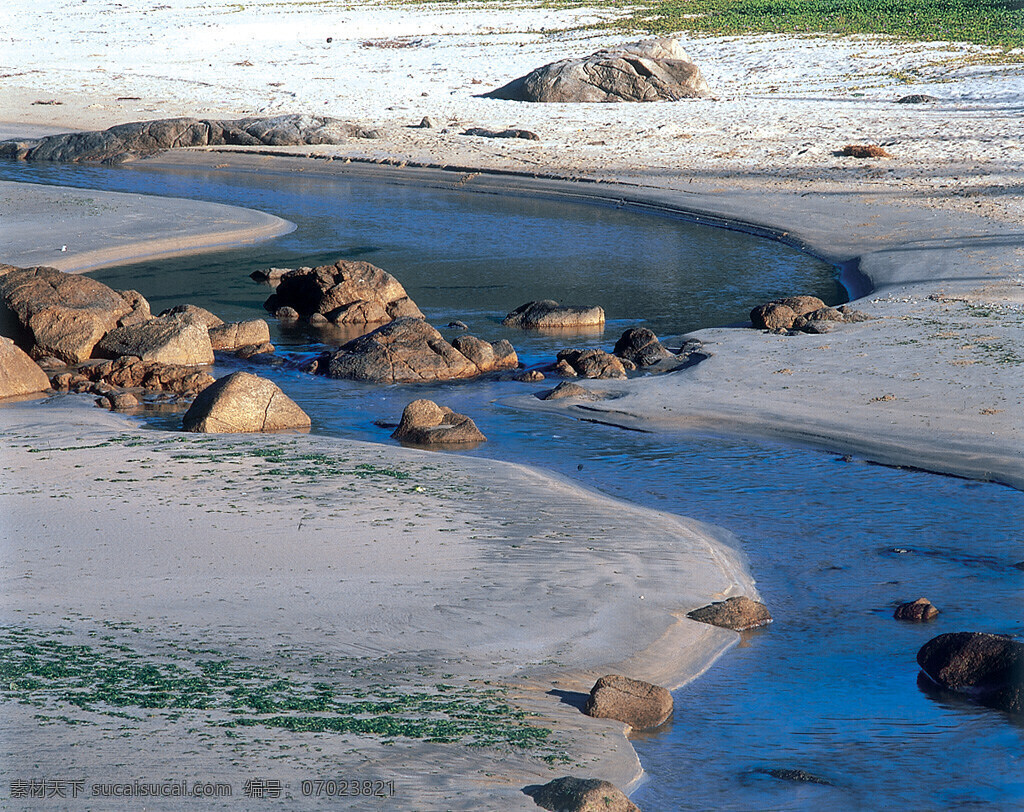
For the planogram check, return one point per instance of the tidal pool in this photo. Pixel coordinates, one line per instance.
(831, 687)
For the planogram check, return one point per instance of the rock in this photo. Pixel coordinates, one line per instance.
(347, 292)
(131, 372)
(49, 312)
(530, 376)
(242, 402)
(457, 325)
(790, 774)
(239, 334)
(172, 339)
(488, 357)
(564, 368)
(779, 314)
(550, 314)
(252, 350)
(140, 311)
(735, 613)
(319, 320)
(652, 70)
(918, 611)
(479, 132)
(824, 319)
(19, 374)
(593, 363)
(641, 347)
(916, 98)
(286, 314)
(851, 316)
(409, 350)
(639, 704)
(190, 311)
(143, 138)
(864, 151)
(103, 403)
(567, 389)
(426, 123)
(989, 667)
(570, 794)
(123, 401)
(272, 275)
(426, 423)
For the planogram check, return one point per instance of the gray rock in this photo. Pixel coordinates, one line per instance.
(548, 313)
(916, 98)
(242, 402)
(180, 339)
(426, 423)
(641, 705)
(570, 794)
(801, 776)
(568, 389)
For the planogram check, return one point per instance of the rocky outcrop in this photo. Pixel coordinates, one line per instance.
(52, 313)
(639, 704)
(989, 667)
(19, 374)
(426, 423)
(409, 350)
(641, 347)
(919, 611)
(511, 132)
(239, 335)
(735, 613)
(652, 70)
(142, 138)
(568, 389)
(570, 794)
(243, 403)
(347, 292)
(589, 364)
(129, 372)
(171, 339)
(549, 314)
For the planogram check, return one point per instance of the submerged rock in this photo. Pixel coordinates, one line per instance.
(989, 667)
(738, 613)
(426, 423)
(570, 794)
(242, 402)
(798, 775)
(548, 313)
(639, 704)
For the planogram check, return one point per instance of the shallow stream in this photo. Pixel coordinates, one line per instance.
(831, 687)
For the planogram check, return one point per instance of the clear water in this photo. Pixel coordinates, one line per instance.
(831, 687)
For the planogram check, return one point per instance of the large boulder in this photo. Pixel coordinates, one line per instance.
(590, 364)
(408, 350)
(779, 314)
(238, 334)
(989, 667)
(570, 794)
(652, 70)
(19, 374)
(639, 704)
(242, 402)
(641, 346)
(426, 423)
(347, 292)
(549, 314)
(142, 138)
(172, 339)
(738, 613)
(52, 313)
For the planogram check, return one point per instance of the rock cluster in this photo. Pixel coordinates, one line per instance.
(738, 613)
(142, 138)
(549, 314)
(426, 423)
(639, 704)
(242, 402)
(130, 372)
(652, 70)
(574, 363)
(570, 794)
(989, 667)
(807, 314)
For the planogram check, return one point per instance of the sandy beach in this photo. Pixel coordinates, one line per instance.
(437, 576)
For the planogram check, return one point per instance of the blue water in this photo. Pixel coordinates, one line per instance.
(831, 687)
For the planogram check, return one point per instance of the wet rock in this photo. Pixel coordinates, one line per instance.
(143, 138)
(550, 314)
(195, 313)
(19, 374)
(480, 132)
(409, 350)
(801, 776)
(242, 402)
(641, 346)
(252, 350)
(123, 401)
(593, 363)
(347, 292)
(738, 613)
(988, 667)
(864, 151)
(172, 339)
(567, 389)
(530, 376)
(919, 611)
(652, 70)
(570, 794)
(487, 357)
(565, 369)
(239, 334)
(639, 704)
(426, 423)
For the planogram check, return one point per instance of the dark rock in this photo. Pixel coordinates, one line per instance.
(735, 613)
(989, 667)
(550, 314)
(570, 794)
(916, 98)
(864, 151)
(457, 325)
(242, 402)
(479, 132)
(593, 363)
(426, 423)
(565, 369)
(173, 339)
(780, 314)
(142, 138)
(802, 776)
(639, 704)
(286, 314)
(567, 389)
(123, 401)
(273, 275)
(19, 374)
(530, 376)
(426, 123)
(252, 350)
(641, 346)
(918, 611)
(653, 70)
(409, 350)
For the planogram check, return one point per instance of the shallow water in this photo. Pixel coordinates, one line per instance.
(831, 686)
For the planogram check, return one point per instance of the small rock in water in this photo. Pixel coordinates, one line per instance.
(567, 389)
(739, 613)
(919, 611)
(531, 376)
(426, 423)
(788, 774)
(457, 325)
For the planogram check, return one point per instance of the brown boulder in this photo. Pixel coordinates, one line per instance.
(426, 423)
(546, 314)
(487, 357)
(242, 402)
(570, 794)
(196, 313)
(239, 334)
(347, 292)
(653, 70)
(919, 611)
(639, 704)
(172, 339)
(19, 374)
(989, 667)
(641, 346)
(865, 151)
(593, 363)
(779, 314)
(735, 613)
(409, 350)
